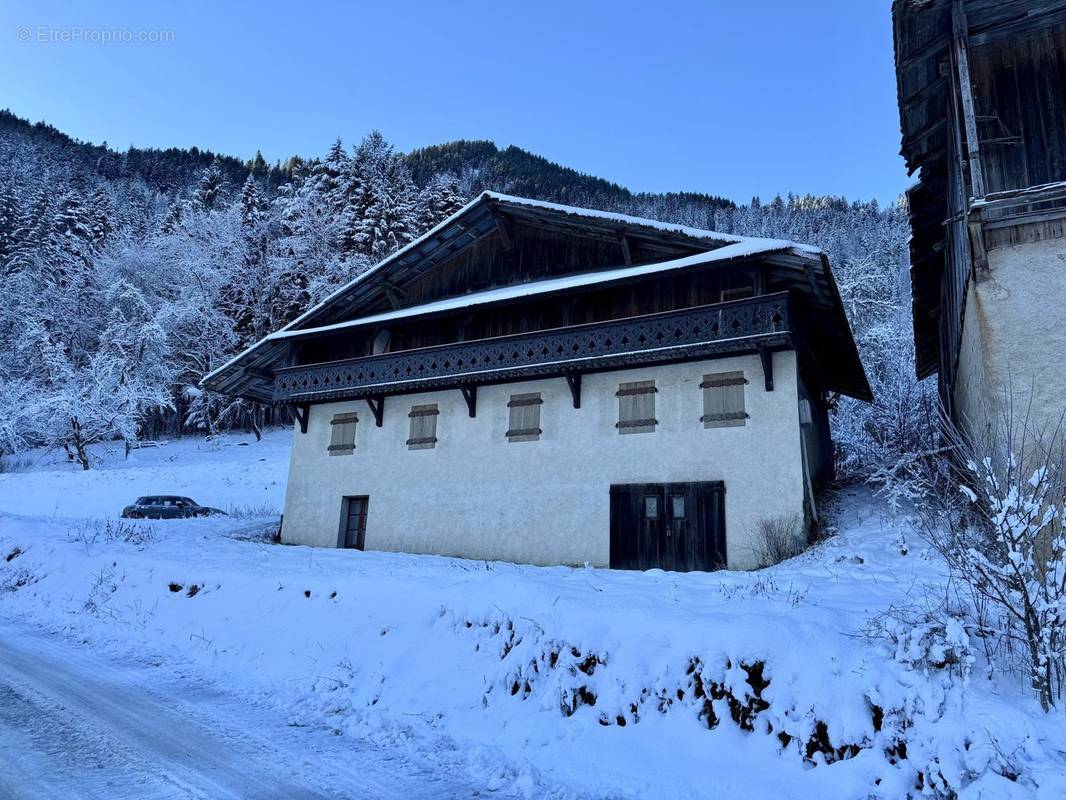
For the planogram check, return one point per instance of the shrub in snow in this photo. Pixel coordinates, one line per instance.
(995, 513)
(926, 640)
(92, 531)
(778, 539)
(13, 579)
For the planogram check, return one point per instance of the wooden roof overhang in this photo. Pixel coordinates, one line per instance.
(803, 271)
(923, 35)
(248, 374)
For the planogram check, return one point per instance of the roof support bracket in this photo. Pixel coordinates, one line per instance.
(767, 358)
(573, 380)
(470, 395)
(377, 408)
(627, 254)
(302, 412)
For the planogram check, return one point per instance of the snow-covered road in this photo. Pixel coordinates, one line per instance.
(75, 726)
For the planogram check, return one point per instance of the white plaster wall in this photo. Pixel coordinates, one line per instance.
(1014, 336)
(546, 502)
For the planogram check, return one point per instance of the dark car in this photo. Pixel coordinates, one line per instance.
(167, 506)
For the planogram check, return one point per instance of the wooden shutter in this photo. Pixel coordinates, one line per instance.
(342, 435)
(723, 400)
(423, 434)
(636, 407)
(524, 417)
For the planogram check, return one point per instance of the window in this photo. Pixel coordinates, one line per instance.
(636, 407)
(677, 506)
(423, 427)
(524, 417)
(342, 437)
(651, 507)
(723, 400)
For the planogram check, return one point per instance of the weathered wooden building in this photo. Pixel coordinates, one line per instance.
(553, 385)
(982, 98)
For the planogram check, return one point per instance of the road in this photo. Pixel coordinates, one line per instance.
(74, 724)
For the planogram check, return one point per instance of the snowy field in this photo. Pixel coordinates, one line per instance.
(526, 681)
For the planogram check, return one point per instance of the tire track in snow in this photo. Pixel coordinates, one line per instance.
(75, 726)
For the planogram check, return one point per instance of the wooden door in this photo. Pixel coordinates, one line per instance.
(671, 526)
(354, 522)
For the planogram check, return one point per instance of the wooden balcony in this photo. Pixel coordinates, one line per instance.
(758, 324)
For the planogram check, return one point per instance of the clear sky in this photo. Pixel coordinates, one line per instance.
(732, 97)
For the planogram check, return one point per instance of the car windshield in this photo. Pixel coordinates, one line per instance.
(143, 501)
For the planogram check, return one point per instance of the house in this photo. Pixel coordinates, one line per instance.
(544, 384)
(982, 99)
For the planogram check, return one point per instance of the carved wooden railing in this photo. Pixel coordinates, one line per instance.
(733, 327)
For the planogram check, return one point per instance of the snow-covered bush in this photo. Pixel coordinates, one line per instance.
(995, 511)
(926, 640)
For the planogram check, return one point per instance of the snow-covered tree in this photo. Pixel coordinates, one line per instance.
(211, 188)
(439, 199)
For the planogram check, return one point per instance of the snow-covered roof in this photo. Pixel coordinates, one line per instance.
(621, 219)
(731, 252)
(624, 219)
(249, 371)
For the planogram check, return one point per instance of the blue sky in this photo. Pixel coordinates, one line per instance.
(720, 96)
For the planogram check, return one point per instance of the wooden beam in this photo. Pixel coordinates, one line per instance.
(573, 380)
(758, 279)
(302, 412)
(377, 408)
(627, 254)
(503, 227)
(767, 358)
(976, 229)
(394, 293)
(960, 30)
(470, 395)
(812, 281)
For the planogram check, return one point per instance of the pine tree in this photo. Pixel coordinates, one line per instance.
(380, 216)
(101, 215)
(172, 221)
(210, 188)
(258, 166)
(439, 199)
(251, 203)
(9, 220)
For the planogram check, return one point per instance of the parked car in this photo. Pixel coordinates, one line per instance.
(167, 506)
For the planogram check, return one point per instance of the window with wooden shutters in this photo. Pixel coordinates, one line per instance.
(723, 400)
(524, 417)
(342, 436)
(636, 407)
(423, 427)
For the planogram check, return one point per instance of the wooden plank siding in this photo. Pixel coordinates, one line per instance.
(1021, 108)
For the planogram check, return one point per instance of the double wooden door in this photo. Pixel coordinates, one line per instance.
(671, 526)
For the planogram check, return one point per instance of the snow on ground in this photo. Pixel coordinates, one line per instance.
(536, 681)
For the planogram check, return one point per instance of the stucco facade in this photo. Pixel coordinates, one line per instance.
(477, 495)
(1014, 337)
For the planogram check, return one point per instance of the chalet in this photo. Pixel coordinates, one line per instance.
(552, 385)
(982, 100)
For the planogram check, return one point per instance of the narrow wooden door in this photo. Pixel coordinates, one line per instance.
(354, 521)
(671, 526)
